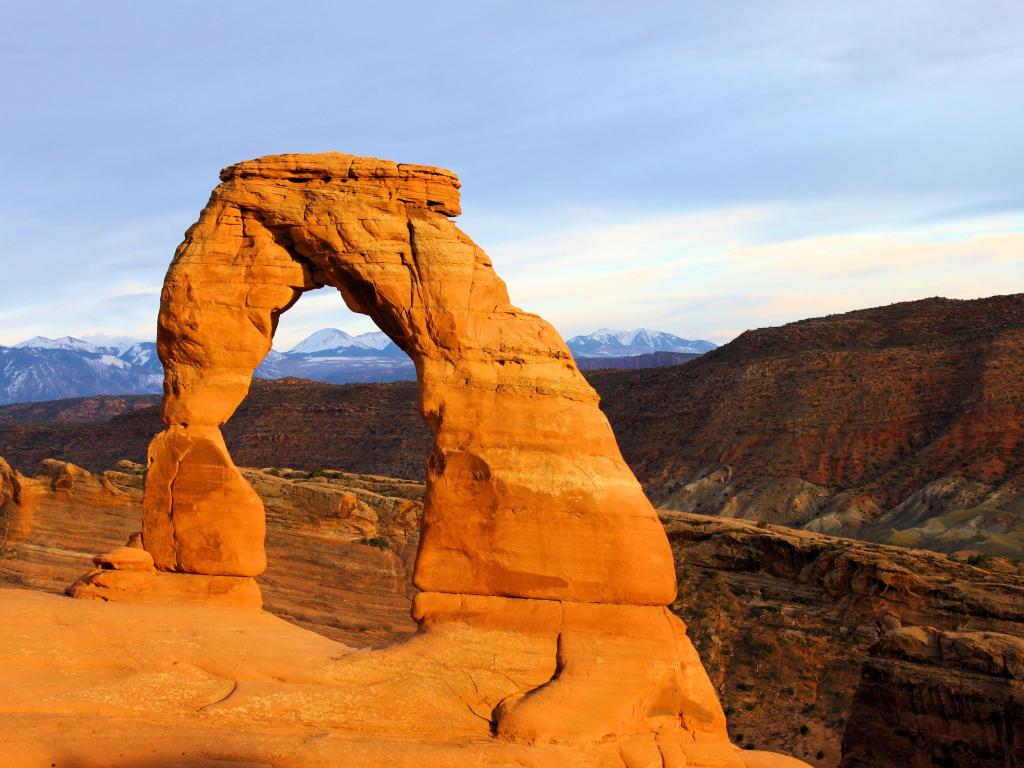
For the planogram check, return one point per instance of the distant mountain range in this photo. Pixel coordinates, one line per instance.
(328, 340)
(608, 343)
(48, 369)
(41, 368)
(337, 357)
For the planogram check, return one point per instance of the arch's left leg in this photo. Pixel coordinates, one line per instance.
(223, 292)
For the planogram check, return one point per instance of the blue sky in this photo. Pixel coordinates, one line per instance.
(700, 168)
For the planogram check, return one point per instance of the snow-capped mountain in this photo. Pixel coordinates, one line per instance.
(111, 342)
(333, 355)
(97, 342)
(605, 342)
(334, 339)
(52, 369)
(64, 342)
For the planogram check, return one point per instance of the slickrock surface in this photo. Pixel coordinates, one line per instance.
(915, 678)
(118, 685)
(315, 573)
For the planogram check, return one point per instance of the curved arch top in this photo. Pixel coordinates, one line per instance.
(527, 493)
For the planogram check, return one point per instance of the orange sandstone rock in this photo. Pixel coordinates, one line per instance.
(127, 558)
(199, 513)
(12, 513)
(141, 586)
(544, 570)
(527, 494)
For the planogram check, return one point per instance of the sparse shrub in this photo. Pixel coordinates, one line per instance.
(980, 560)
(374, 541)
(762, 524)
(820, 755)
(315, 473)
(804, 730)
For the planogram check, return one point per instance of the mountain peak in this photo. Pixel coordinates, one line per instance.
(608, 342)
(325, 338)
(334, 338)
(62, 342)
(91, 343)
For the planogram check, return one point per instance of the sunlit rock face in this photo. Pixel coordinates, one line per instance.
(544, 572)
(527, 495)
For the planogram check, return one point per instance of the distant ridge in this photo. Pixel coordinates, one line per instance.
(41, 368)
(635, 362)
(605, 342)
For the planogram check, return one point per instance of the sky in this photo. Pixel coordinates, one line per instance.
(695, 167)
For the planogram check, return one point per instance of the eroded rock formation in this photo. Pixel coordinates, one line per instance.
(538, 546)
(340, 547)
(12, 515)
(930, 696)
(795, 608)
(802, 609)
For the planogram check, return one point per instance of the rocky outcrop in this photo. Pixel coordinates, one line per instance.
(802, 610)
(533, 526)
(12, 515)
(936, 697)
(362, 570)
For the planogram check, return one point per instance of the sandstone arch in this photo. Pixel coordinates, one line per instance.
(540, 556)
(528, 495)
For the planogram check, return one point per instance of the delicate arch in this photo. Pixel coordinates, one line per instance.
(544, 571)
(527, 493)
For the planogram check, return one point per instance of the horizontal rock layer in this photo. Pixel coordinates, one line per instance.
(937, 697)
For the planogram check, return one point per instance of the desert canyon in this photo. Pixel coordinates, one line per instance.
(543, 584)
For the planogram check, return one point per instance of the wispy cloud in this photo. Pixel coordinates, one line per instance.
(717, 272)
(701, 167)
